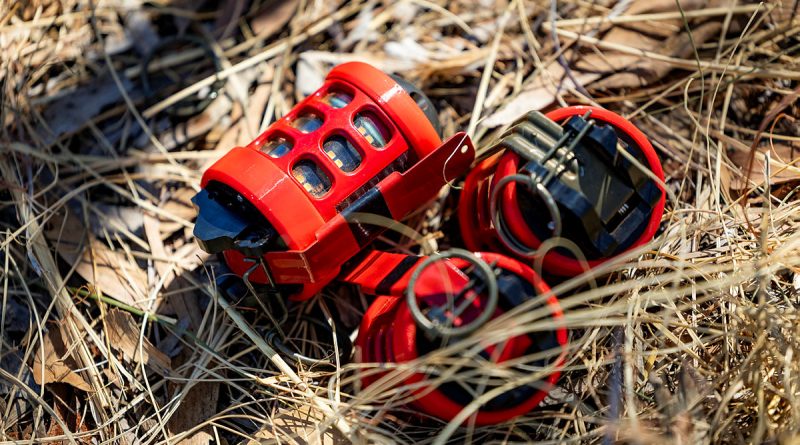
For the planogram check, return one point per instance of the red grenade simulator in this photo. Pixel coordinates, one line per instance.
(578, 174)
(431, 302)
(285, 210)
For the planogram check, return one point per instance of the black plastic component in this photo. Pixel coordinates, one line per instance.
(225, 220)
(604, 200)
(423, 102)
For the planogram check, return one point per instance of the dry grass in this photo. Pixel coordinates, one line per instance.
(693, 339)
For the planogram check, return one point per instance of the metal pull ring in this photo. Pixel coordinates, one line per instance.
(437, 328)
(533, 185)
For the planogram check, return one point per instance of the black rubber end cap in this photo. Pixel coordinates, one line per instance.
(423, 102)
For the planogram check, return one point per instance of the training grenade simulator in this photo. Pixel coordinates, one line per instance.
(300, 207)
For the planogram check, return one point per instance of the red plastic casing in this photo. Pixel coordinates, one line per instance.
(388, 332)
(474, 217)
(300, 218)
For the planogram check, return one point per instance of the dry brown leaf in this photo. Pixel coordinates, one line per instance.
(635, 71)
(59, 366)
(613, 69)
(180, 302)
(123, 335)
(654, 6)
(784, 165)
(108, 271)
(245, 130)
(69, 113)
(193, 128)
(312, 66)
(538, 95)
(301, 424)
(199, 404)
(179, 205)
(610, 61)
(72, 419)
(273, 18)
(665, 28)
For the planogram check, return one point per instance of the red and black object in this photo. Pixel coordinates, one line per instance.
(427, 302)
(288, 209)
(564, 174)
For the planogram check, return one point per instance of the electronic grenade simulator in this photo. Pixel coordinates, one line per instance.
(300, 206)
(582, 176)
(287, 210)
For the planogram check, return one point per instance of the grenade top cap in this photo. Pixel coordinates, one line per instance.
(605, 201)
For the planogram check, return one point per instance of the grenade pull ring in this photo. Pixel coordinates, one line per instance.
(533, 185)
(442, 325)
(416, 316)
(537, 185)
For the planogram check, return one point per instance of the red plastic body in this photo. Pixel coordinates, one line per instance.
(407, 171)
(475, 220)
(388, 332)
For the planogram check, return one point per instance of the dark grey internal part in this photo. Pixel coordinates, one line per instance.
(422, 101)
(226, 220)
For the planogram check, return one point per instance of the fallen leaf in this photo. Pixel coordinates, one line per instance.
(613, 69)
(245, 130)
(312, 66)
(300, 424)
(73, 110)
(63, 399)
(59, 366)
(192, 128)
(654, 6)
(180, 205)
(198, 405)
(784, 165)
(621, 70)
(123, 335)
(666, 37)
(108, 271)
(273, 17)
(116, 219)
(539, 94)
(182, 304)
